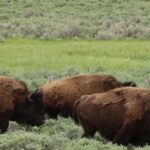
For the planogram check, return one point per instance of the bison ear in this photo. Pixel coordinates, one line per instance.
(37, 97)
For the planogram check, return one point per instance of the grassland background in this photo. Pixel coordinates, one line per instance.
(37, 61)
(88, 19)
(71, 32)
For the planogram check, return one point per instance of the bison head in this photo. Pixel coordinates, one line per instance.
(31, 111)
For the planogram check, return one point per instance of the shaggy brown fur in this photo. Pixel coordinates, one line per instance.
(15, 104)
(60, 95)
(121, 115)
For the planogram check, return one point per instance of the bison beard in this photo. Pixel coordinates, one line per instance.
(121, 115)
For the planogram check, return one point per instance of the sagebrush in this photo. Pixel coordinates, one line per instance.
(88, 19)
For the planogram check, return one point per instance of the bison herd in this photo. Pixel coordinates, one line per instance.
(120, 112)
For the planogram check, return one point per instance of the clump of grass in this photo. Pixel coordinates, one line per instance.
(54, 134)
(57, 135)
(4, 72)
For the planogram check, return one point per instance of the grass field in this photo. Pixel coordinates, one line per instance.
(37, 61)
(127, 59)
(88, 19)
(43, 40)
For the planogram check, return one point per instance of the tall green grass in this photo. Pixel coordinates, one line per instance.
(35, 55)
(127, 59)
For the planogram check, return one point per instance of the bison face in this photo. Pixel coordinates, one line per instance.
(31, 111)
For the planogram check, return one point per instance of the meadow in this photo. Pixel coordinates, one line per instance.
(44, 40)
(88, 19)
(37, 61)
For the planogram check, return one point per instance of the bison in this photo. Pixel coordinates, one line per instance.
(17, 105)
(121, 115)
(59, 95)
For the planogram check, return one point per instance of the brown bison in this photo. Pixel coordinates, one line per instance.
(60, 95)
(121, 115)
(16, 105)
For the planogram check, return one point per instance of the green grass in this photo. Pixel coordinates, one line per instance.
(127, 59)
(90, 19)
(37, 61)
(36, 55)
(61, 134)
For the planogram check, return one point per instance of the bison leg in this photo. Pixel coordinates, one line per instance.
(125, 134)
(89, 131)
(4, 124)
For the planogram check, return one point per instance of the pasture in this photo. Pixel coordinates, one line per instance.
(88, 19)
(36, 62)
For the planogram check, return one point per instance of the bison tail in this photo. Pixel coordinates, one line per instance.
(130, 83)
(74, 113)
